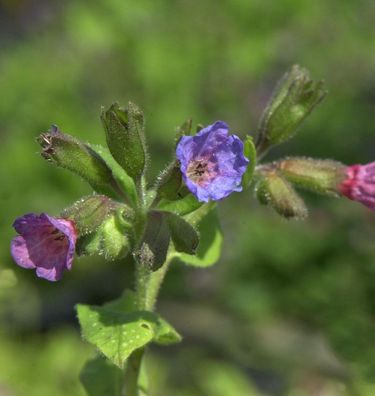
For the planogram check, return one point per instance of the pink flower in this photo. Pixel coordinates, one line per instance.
(359, 184)
(45, 243)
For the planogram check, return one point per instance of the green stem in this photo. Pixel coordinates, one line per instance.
(154, 282)
(148, 284)
(131, 386)
(262, 147)
(147, 288)
(142, 275)
(132, 373)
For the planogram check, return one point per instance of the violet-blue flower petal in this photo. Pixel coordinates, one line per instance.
(212, 162)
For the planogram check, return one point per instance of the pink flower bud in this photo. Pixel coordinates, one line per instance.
(359, 184)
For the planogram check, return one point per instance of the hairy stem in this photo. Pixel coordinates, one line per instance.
(132, 373)
(155, 280)
(147, 286)
(131, 386)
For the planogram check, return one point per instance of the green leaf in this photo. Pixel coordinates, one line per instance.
(100, 377)
(117, 329)
(115, 334)
(251, 154)
(124, 181)
(180, 207)
(185, 238)
(209, 248)
(165, 334)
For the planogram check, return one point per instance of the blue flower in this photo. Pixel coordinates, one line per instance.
(212, 162)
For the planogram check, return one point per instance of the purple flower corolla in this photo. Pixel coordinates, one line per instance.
(212, 162)
(45, 243)
(359, 184)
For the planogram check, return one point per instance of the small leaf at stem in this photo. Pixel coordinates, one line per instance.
(209, 248)
(185, 238)
(180, 207)
(155, 242)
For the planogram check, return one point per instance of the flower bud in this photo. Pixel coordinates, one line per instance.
(272, 189)
(70, 153)
(320, 176)
(295, 97)
(359, 184)
(125, 137)
(89, 213)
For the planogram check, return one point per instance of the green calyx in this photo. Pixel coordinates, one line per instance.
(113, 238)
(320, 176)
(70, 153)
(124, 128)
(273, 190)
(89, 212)
(295, 96)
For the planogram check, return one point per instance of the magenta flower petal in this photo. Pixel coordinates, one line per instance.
(359, 184)
(45, 243)
(212, 162)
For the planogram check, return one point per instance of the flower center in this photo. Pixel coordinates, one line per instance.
(55, 241)
(201, 171)
(57, 235)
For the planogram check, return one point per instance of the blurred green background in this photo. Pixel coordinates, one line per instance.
(290, 307)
